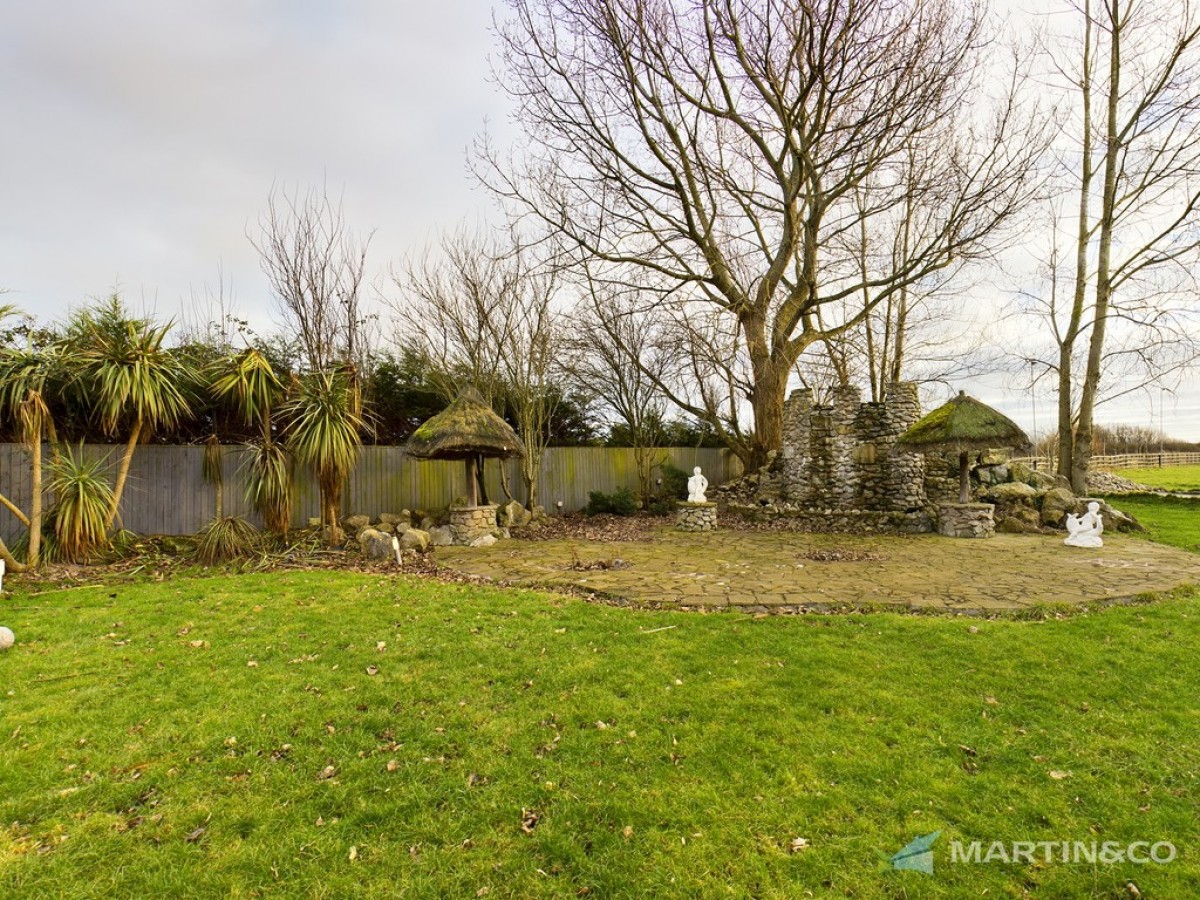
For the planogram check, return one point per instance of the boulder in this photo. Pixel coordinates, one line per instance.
(355, 524)
(385, 527)
(994, 457)
(427, 522)
(1016, 525)
(1056, 503)
(374, 544)
(513, 515)
(989, 475)
(1114, 519)
(392, 520)
(441, 536)
(1011, 493)
(485, 540)
(414, 539)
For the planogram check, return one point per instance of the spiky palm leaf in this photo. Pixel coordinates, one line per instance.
(325, 423)
(267, 471)
(250, 381)
(226, 538)
(78, 518)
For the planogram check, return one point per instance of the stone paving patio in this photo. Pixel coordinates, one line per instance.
(759, 571)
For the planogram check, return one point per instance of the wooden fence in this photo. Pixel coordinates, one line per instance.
(1112, 462)
(166, 494)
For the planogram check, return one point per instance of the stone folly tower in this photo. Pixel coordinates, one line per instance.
(843, 457)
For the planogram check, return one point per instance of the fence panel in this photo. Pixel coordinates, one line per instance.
(166, 494)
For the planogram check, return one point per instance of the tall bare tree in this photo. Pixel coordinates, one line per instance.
(621, 357)
(480, 309)
(316, 266)
(718, 151)
(1124, 305)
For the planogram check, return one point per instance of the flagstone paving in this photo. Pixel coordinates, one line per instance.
(772, 571)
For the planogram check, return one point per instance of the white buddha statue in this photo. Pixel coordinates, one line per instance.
(1085, 530)
(697, 485)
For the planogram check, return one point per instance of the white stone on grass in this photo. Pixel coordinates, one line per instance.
(7, 638)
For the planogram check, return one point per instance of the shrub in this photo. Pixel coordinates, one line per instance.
(226, 538)
(78, 519)
(674, 487)
(619, 503)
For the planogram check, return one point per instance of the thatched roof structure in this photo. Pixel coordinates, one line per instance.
(466, 429)
(961, 425)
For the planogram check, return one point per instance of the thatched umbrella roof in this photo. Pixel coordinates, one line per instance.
(466, 429)
(962, 425)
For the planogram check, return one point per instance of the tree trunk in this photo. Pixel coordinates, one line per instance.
(35, 503)
(1081, 456)
(964, 477)
(472, 489)
(10, 561)
(766, 400)
(123, 474)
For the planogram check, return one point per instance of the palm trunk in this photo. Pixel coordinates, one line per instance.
(10, 561)
(35, 504)
(123, 474)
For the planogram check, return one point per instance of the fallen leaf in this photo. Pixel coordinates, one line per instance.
(353, 854)
(992, 701)
(799, 844)
(372, 670)
(529, 820)
(196, 834)
(627, 832)
(252, 664)
(967, 750)
(326, 773)
(1059, 775)
(393, 765)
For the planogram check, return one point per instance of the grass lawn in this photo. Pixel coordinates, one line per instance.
(1169, 478)
(1169, 520)
(225, 737)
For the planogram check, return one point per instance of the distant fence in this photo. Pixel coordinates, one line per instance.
(1124, 461)
(167, 495)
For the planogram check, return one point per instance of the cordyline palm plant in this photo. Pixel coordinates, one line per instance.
(79, 520)
(28, 379)
(250, 382)
(127, 377)
(324, 417)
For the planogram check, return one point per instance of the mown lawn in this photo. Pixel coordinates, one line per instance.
(1168, 520)
(1169, 478)
(224, 737)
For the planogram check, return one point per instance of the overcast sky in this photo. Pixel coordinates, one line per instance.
(140, 140)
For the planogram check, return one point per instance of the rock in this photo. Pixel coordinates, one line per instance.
(7, 638)
(1114, 519)
(374, 544)
(486, 540)
(414, 539)
(513, 515)
(392, 520)
(355, 524)
(1056, 503)
(538, 515)
(440, 536)
(994, 457)
(989, 475)
(427, 522)
(1012, 492)
(384, 527)
(1016, 525)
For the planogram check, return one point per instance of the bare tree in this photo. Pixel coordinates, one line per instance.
(1124, 307)
(316, 266)
(718, 151)
(621, 357)
(480, 310)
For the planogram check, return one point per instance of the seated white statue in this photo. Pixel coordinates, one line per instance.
(697, 485)
(1085, 530)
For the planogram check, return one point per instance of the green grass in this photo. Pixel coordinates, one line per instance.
(666, 754)
(1169, 520)
(1169, 478)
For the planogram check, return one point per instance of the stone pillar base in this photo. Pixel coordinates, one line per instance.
(470, 522)
(966, 520)
(696, 517)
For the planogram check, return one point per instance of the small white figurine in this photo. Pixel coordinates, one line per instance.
(2, 567)
(697, 485)
(1085, 530)
(7, 638)
(396, 550)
